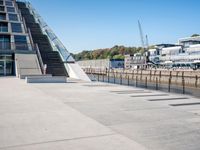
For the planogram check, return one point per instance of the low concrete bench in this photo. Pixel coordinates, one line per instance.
(24, 76)
(46, 79)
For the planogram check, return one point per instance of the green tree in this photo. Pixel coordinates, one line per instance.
(195, 35)
(118, 56)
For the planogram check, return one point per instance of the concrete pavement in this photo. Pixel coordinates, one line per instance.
(94, 116)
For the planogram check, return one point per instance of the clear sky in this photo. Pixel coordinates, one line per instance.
(92, 24)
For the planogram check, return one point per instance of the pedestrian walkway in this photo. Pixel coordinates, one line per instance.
(95, 116)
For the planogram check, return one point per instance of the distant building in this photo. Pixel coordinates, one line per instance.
(134, 61)
(184, 54)
(189, 41)
(154, 55)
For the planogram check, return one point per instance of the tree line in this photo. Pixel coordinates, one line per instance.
(116, 52)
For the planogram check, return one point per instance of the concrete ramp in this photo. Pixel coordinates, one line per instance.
(27, 64)
(75, 71)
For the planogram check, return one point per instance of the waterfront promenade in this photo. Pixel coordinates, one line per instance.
(95, 116)
(178, 81)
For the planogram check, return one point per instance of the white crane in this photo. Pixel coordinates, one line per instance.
(141, 34)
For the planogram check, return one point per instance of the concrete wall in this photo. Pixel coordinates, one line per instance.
(27, 64)
(100, 63)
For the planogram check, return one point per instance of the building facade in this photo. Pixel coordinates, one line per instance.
(135, 61)
(14, 37)
(29, 47)
(184, 54)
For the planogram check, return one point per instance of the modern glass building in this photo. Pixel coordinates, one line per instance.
(13, 36)
(29, 47)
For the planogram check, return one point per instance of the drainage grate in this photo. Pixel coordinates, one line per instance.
(149, 95)
(185, 104)
(168, 99)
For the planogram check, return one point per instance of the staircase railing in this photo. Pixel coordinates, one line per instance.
(42, 65)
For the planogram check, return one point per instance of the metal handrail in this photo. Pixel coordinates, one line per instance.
(42, 65)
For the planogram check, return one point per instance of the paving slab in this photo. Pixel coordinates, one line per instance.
(31, 118)
(89, 116)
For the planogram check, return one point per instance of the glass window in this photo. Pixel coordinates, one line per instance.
(13, 17)
(9, 3)
(1, 2)
(2, 16)
(16, 27)
(4, 42)
(20, 39)
(2, 8)
(3, 27)
(10, 9)
(21, 42)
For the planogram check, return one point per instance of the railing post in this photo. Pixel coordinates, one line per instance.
(128, 81)
(121, 79)
(146, 82)
(196, 81)
(108, 76)
(136, 81)
(160, 75)
(156, 83)
(114, 77)
(169, 85)
(183, 82)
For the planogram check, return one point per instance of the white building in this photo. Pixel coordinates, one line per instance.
(185, 54)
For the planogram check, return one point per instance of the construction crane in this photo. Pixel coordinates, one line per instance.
(141, 34)
(147, 42)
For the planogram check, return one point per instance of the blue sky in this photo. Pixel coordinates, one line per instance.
(92, 24)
